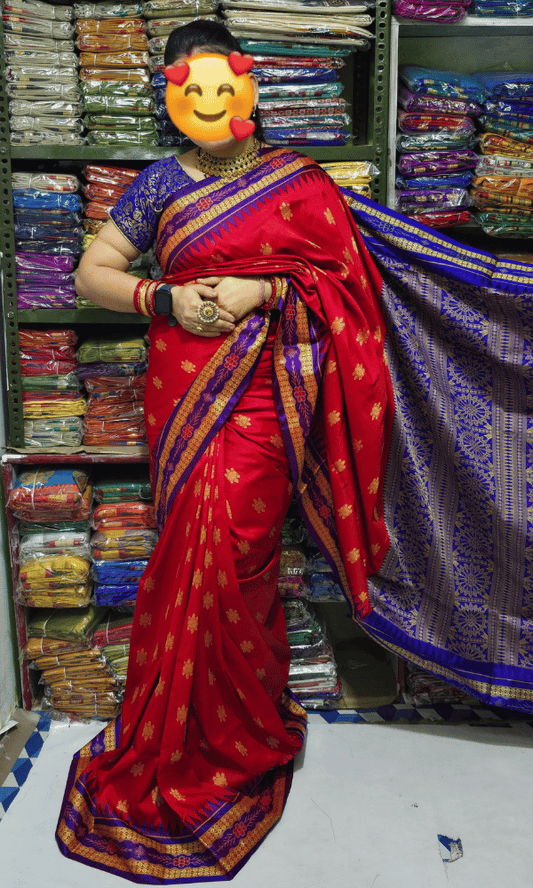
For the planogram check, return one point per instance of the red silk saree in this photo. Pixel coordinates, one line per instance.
(187, 783)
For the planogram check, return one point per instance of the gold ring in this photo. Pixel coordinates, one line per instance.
(207, 312)
(198, 327)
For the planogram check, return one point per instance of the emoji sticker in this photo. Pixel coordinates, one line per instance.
(211, 96)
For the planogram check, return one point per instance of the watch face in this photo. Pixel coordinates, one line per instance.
(163, 301)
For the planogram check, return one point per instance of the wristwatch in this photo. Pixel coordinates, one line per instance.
(163, 303)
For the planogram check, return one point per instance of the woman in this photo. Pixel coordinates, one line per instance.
(273, 383)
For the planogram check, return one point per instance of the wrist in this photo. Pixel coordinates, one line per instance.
(143, 297)
(272, 299)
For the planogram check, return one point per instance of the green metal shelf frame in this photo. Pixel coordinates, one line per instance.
(374, 149)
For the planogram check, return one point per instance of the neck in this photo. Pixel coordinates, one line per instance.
(232, 150)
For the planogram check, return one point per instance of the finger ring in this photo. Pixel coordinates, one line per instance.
(207, 312)
(198, 328)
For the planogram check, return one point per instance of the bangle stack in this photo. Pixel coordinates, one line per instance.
(272, 301)
(143, 297)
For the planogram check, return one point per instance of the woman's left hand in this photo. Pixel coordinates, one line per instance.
(238, 296)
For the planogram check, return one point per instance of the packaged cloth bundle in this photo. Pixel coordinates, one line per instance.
(437, 117)
(40, 57)
(47, 211)
(432, 10)
(502, 189)
(59, 494)
(313, 673)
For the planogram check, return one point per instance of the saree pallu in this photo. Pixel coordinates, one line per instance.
(197, 771)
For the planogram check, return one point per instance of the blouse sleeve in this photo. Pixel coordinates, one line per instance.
(136, 214)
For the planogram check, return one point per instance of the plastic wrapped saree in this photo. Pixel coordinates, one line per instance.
(199, 770)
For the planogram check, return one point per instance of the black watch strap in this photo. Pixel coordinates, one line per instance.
(163, 303)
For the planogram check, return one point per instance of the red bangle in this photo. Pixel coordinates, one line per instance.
(143, 297)
(272, 301)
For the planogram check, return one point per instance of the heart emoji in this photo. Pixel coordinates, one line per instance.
(240, 128)
(240, 64)
(177, 73)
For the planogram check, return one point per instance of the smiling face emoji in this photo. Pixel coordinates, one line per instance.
(210, 97)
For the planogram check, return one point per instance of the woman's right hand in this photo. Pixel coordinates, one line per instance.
(186, 301)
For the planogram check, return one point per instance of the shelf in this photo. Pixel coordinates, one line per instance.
(78, 316)
(93, 153)
(16, 458)
(412, 28)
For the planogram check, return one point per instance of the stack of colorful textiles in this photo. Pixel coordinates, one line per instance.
(503, 186)
(113, 371)
(123, 542)
(51, 494)
(424, 689)
(114, 74)
(54, 563)
(113, 638)
(432, 10)
(313, 673)
(356, 175)
(42, 73)
(436, 122)
(162, 17)
(303, 572)
(52, 403)
(47, 213)
(104, 186)
(78, 681)
(313, 22)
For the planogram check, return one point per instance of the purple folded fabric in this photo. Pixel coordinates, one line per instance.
(102, 368)
(434, 199)
(434, 11)
(410, 101)
(431, 121)
(40, 261)
(422, 163)
(44, 299)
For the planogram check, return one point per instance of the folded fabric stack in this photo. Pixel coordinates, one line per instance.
(502, 8)
(78, 681)
(297, 64)
(104, 186)
(41, 73)
(432, 10)
(125, 534)
(502, 189)
(52, 403)
(355, 175)
(51, 494)
(424, 689)
(113, 638)
(304, 572)
(436, 122)
(47, 213)
(313, 673)
(162, 17)
(113, 371)
(114, 74)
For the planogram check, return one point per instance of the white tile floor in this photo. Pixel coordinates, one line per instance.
(366, 808)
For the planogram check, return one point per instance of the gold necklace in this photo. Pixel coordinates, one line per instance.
(228, 168)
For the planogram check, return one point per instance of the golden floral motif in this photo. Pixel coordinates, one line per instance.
(273, 742)
(232, 476)
(151, 419)
(247, 647)
(160, 687)
(176, 794)
(260, 673)
(276, 441)
(364, 282)
(208, 638)
(137, 769)
(188, 528)
(123, 805)
(243, 421)
(347, 255)
(179, 598)
(157, 382)
(362, 336)
(148, 731)
(181, 715)
(222, 578)
(208, 600)
(258, 722)
(217, 536)
(188, 367)
(211, 677)
(259, 505)
(228, 510)
(169, 643)
(142, 657)
(378, 336)
(376, 411)
(329, 216)
(157, 798)
(331, 367)
(145, 620)
(373, 487)
(358, 445)
(240, 747)
(266, 249)
(221, 712)
(197, 577)
(286, 211)
(375, 548)
(155, 653)
(188, 668)
(207, 491)
(198, 488)
(203, 533)
(334, 417)
(175, 757)
(208, 559)
(358, 372)
(353, 556)
(354, 245)
(160, 345)
(339, 465)
(233, 615)
(149, 584)
(345, 511)
(220, 779)
(243, 547)
(192, 623)
(241, 694)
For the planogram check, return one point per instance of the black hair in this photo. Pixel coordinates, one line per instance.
(206, 36)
